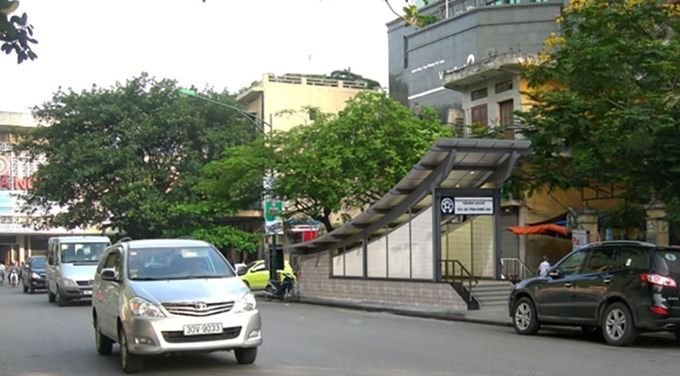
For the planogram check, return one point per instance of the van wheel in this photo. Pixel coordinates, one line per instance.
(246, 356)
(524, 317)
(104, 344)
(58, 299)
(130, 363)
(618, 327)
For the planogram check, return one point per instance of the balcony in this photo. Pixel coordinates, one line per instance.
(476, 73)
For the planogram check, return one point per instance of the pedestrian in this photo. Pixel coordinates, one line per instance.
(544, 267)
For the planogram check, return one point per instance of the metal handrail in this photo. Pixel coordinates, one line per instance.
(449, 273)
(514, 269)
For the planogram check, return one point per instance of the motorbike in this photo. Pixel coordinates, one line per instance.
(284, 289)
(13, 278)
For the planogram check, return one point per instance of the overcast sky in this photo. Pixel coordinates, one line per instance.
(223, 44)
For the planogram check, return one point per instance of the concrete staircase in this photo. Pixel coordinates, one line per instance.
(492, 294)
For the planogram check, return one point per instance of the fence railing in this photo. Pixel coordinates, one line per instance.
(514, 269)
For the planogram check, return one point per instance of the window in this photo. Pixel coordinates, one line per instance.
(479, 115)
(478, 94)
(506, 108)
(572, 264)
(113, 262)
(601, 260)
(503, 86)
(632, 258)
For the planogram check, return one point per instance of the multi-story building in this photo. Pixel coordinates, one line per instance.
(18, 239)
(282, 100)
(496, 33)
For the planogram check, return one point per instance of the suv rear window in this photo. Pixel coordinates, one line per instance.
(667, 261)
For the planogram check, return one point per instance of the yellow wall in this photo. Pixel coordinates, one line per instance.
(280, 96)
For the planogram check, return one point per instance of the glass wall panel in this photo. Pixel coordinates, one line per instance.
(338, 265)
(354, 262)
(399, 252)
(422, 255)
(377, 258)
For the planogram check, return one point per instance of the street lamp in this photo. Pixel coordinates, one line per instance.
(269, 208)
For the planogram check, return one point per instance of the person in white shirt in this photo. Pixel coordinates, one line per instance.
(544, 267)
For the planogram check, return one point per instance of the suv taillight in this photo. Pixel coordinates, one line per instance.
(658, 280)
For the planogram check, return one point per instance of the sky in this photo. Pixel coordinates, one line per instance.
(218, 44)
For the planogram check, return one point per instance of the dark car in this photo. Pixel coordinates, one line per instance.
(617, 287)
(33, 274)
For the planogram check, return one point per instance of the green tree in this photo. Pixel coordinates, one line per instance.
(16, 33)
(335, 164)
(606, 101)
(125, 157)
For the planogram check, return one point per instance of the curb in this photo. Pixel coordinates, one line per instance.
(460, 317)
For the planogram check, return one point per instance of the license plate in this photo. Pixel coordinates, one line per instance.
(199, 329)
(87, 292)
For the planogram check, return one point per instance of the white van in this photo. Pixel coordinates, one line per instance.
(71, 265)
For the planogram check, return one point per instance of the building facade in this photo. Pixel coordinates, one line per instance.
(18, 239)
(467, 32)
(283, 100)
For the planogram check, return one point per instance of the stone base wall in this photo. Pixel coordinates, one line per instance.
(316, 284)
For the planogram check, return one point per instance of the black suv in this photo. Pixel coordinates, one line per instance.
(33, 274)
(618, 287)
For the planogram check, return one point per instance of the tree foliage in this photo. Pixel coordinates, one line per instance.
(411, 14)
(126, 156)
(16, 33)
(607, 101)
(334, 165)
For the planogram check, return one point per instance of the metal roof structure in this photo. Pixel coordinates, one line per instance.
(465, 163)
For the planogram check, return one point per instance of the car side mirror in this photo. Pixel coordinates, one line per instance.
(109, 275)
(554, 274)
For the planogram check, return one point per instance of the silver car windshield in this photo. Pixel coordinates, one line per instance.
(148, 264)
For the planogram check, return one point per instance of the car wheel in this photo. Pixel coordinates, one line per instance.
(104, 344)
(58, 299)
(524, 317)
(50, 297)
(130, 363)
(618, 327)
(246, 356)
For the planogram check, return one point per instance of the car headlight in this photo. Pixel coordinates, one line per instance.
(142, 307)
(246, 303)
(35, 275)
(68, 282)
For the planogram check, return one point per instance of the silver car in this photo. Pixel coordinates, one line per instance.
(169, 296)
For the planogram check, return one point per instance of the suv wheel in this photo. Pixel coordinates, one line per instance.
(130, 363)
(618, 327)
(524, 317)
(246, 355)
(104, 344)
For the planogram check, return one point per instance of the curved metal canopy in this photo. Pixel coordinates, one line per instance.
(450, 163)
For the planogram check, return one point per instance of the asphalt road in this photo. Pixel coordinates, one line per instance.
(41, 339)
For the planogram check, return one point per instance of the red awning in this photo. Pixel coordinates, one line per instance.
(545, 229)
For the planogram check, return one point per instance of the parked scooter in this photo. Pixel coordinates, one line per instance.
(286, 289)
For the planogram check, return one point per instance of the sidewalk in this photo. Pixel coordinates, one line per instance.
(488, 316)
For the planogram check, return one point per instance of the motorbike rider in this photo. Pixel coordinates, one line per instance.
(13, 269)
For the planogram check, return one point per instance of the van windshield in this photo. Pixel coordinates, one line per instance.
(82, 252)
